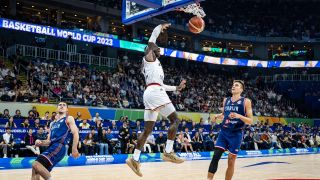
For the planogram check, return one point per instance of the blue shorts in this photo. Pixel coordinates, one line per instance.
(52, 155)
(231, 141)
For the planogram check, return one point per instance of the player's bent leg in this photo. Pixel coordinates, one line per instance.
(35, 175)
(133, 162)
(40, 169)
(148, 127)
(174, 124)
(170, 112)
(214, 162)
(231, 162)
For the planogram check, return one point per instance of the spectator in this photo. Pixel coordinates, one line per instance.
(202, 139)
(257, 140)
(163, 126)
(196, 142)
(266, 140)
(124, 137)
(138, 126)
(44, 99)
(41, 135)
(132, 144)
(36, 123)
(97, 117)
(30, 140)
(8, 144)
(150, 143)
(274, 141)
(99, 127)
(25, 123)
(18, 115)
(245, 145)
(317, 140)
(5, 114)
(31, 115)
(46, 116)
(88, 145)
(53, 116)
(104, 143)
(10, 124)
(78, 118)
(95, 141)
(35, 112)
(110, 138)
(187, 139)
(161, 141)
(113, 126)
(84, 124)
(286, 143)
(209, 141)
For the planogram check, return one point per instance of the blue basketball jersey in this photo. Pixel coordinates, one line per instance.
(236, 107)
(59, 131)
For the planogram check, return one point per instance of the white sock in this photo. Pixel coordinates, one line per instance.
(136, 154)
(169, 146)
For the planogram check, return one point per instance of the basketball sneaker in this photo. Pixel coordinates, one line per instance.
(134, 165)
(171, 157)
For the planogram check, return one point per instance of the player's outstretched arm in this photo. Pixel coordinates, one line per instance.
(75, 132)
(156, 32)
(248, 119)
(150, 55)
(181, 86)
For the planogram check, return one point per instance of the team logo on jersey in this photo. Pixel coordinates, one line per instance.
(239, 102)
(236, 150)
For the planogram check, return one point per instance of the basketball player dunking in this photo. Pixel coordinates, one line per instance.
(59, 130)
(156, 101)
(237, 111)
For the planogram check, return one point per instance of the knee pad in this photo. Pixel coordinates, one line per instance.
(215, 160)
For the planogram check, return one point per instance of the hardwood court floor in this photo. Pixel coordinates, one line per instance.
(261, 168)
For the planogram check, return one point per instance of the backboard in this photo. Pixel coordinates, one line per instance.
(137, 10)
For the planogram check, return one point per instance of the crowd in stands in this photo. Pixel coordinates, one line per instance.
(252, 18)
(258, 18)
(124, 87)
(13, 89)
(102, 137)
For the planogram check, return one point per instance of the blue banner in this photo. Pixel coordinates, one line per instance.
(102, 39)
(26, 162)
(60, 33)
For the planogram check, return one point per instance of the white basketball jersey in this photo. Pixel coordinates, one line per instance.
(153, 72)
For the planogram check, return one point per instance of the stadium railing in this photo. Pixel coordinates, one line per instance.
(51, 54)
(291, 77)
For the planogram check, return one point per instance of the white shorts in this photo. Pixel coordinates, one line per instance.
(154, 97)
(156, 101)
(166, 110)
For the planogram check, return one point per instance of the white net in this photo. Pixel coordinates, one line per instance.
(194, 9)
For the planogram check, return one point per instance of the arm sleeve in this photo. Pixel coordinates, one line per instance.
(169, 88)
(155, 34)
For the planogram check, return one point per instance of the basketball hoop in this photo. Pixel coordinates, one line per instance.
(194, 9)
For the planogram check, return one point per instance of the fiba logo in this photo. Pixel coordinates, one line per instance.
(301, 151)
(254, 153)
(191, 156)
(100, 159)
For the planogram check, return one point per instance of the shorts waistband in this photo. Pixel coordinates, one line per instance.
(153, 84)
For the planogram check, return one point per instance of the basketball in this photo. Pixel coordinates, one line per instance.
(196, 25)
